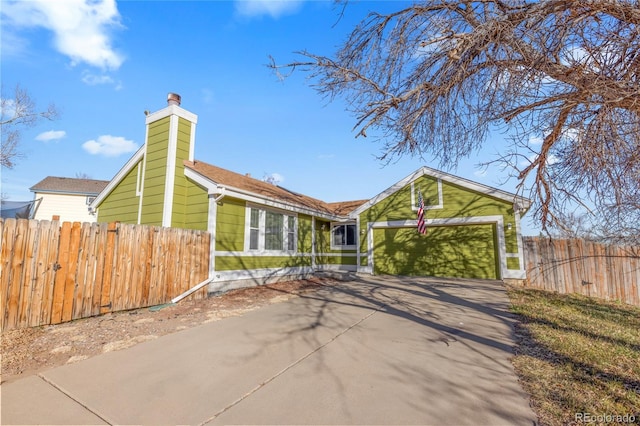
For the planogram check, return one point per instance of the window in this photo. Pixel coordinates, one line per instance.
(343, 236)
(269, 230)
(273, 231)
(254, 229)
(291, 233)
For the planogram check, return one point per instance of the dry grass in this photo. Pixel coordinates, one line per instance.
(577, 355)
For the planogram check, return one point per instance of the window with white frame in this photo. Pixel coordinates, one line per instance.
(270, 230)
(343, 236)
(254, 229)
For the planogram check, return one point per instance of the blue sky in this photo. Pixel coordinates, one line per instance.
(103, 63)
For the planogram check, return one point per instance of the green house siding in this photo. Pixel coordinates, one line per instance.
(230, 225)
(234, 263)
(513, 263)
(337, 260)
(122, 203)
(467, 251)
(197, 207)
(155, 170)
(305, 237)
(323, 236)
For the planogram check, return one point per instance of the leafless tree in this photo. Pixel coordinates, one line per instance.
(559, 77)
(18, 111)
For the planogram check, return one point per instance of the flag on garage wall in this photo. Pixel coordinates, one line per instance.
(422, 226)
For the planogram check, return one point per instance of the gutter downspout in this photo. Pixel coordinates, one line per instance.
(221, 194)
(191, 290)
(205, 282)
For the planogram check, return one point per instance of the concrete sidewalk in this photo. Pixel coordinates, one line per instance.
(372, 351)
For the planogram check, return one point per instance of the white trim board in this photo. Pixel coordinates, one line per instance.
(276, 253)
(170, 171)
(429, 206)
(248, 274)
(171, 110)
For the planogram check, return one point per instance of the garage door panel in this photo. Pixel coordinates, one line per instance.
(467, 251)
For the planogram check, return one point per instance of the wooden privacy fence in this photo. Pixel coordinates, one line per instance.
(52, 272)
(578, 266)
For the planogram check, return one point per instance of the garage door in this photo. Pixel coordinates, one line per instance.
(465, 251)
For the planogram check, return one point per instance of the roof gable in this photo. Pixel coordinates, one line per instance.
(65, 185)
(505, 196)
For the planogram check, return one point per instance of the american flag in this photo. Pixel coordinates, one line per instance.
(422, 226)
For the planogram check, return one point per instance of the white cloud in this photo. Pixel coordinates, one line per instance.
(109, 146)
(273, 178)
(535, 140)
(273, 8)
(551, 160)
(51, 135)
(480, 172)
(81, 28)
(94, 80)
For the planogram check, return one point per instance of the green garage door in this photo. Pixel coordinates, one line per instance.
(465, 251)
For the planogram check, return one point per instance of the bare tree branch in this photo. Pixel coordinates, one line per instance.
(433, 77)
(19, 110)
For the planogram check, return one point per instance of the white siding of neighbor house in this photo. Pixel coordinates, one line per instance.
(70, 208)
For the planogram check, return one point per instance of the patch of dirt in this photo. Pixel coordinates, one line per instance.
(32, 350)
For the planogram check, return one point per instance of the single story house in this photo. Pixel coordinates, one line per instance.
(262, 231)
(67, 199)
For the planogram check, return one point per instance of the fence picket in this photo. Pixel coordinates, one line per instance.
(98, 274)
(28, 288)
(49, 273)
(4, 278)
(81, 272)
(70, 276)
(108, 273)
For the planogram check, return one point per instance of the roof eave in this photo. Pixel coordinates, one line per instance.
(55, 191)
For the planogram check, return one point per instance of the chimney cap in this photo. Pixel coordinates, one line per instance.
(173, 99)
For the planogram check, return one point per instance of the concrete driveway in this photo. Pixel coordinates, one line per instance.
(377, 350)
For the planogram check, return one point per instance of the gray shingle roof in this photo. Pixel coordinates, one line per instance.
(65, 185)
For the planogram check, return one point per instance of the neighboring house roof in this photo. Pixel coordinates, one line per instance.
(65, 185)
(237, 181)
